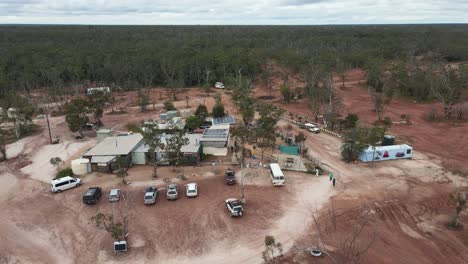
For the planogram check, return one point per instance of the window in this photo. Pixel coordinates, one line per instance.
(408, 151)
(61, 184)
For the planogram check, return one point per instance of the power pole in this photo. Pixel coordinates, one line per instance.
(48, 124)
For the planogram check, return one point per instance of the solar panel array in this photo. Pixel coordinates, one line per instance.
(224, 120)
(215, 133)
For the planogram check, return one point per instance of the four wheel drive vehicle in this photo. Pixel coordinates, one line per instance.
(92, 195)
(230, 176)
(234, 207)
(64, 183)
(172, 191)
(312, 128)
(150, 195)
(191, 189)
(114, 195)
(315, 130)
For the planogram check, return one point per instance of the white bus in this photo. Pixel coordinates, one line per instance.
(277, 176)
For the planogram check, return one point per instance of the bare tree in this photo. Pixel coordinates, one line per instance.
(351, 246)
(446, 87)
(459, 199)
(272, 251)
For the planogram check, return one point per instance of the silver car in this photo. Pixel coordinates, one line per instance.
(114, 195)
(172, 191)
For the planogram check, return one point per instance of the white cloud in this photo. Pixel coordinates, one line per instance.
(232, 12)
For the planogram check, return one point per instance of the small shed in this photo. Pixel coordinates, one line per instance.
(380, 153)
(171, 114)
(103, 133)
(184, 113)
(163, 116)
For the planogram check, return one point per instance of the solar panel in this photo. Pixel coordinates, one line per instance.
(224, 120)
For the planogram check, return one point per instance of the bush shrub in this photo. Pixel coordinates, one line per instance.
(65, 172)
(387, 121)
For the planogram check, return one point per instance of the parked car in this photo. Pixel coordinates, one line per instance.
(64, 183)
(315, 130)
(234, 207)
(191, 189)
(150, 195)
(230, 176)
(172, 191)
(219, 85)
(114, 195)
(92, 195)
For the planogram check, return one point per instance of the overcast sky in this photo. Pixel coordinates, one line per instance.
(259, 12)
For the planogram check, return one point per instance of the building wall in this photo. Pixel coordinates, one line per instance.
(214, 144)
(139, 158)
(385, 154)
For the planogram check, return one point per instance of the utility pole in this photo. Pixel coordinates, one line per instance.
(48, 124)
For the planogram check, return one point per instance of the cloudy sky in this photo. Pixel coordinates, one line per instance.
(260, 12)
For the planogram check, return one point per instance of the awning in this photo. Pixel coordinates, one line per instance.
(215, 151)
(102, 159)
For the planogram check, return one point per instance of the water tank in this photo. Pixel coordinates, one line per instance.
(388, 140)
(80, 166)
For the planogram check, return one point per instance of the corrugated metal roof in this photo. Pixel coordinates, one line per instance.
(122, 145)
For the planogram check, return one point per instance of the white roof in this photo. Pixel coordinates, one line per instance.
(113, 146)
(392, 147)
(276, 170)
(193, 145)
(191, 186)
(66, 178)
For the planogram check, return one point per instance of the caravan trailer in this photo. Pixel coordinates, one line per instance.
(380, 153)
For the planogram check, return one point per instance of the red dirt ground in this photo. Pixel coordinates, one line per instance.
(437, 138)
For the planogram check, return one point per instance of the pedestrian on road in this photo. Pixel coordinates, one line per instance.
(334, 180)
(330, 176)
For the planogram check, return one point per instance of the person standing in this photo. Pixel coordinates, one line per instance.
(334, 182)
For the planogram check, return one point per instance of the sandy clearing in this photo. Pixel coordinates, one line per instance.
(41, 169)
(7, 182)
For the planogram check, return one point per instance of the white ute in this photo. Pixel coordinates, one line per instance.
(312, 128)
(234, 207)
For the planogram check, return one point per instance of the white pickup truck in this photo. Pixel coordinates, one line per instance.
(234, 207)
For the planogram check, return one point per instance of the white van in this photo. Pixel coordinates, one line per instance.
(64, 183)
(277, 176)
